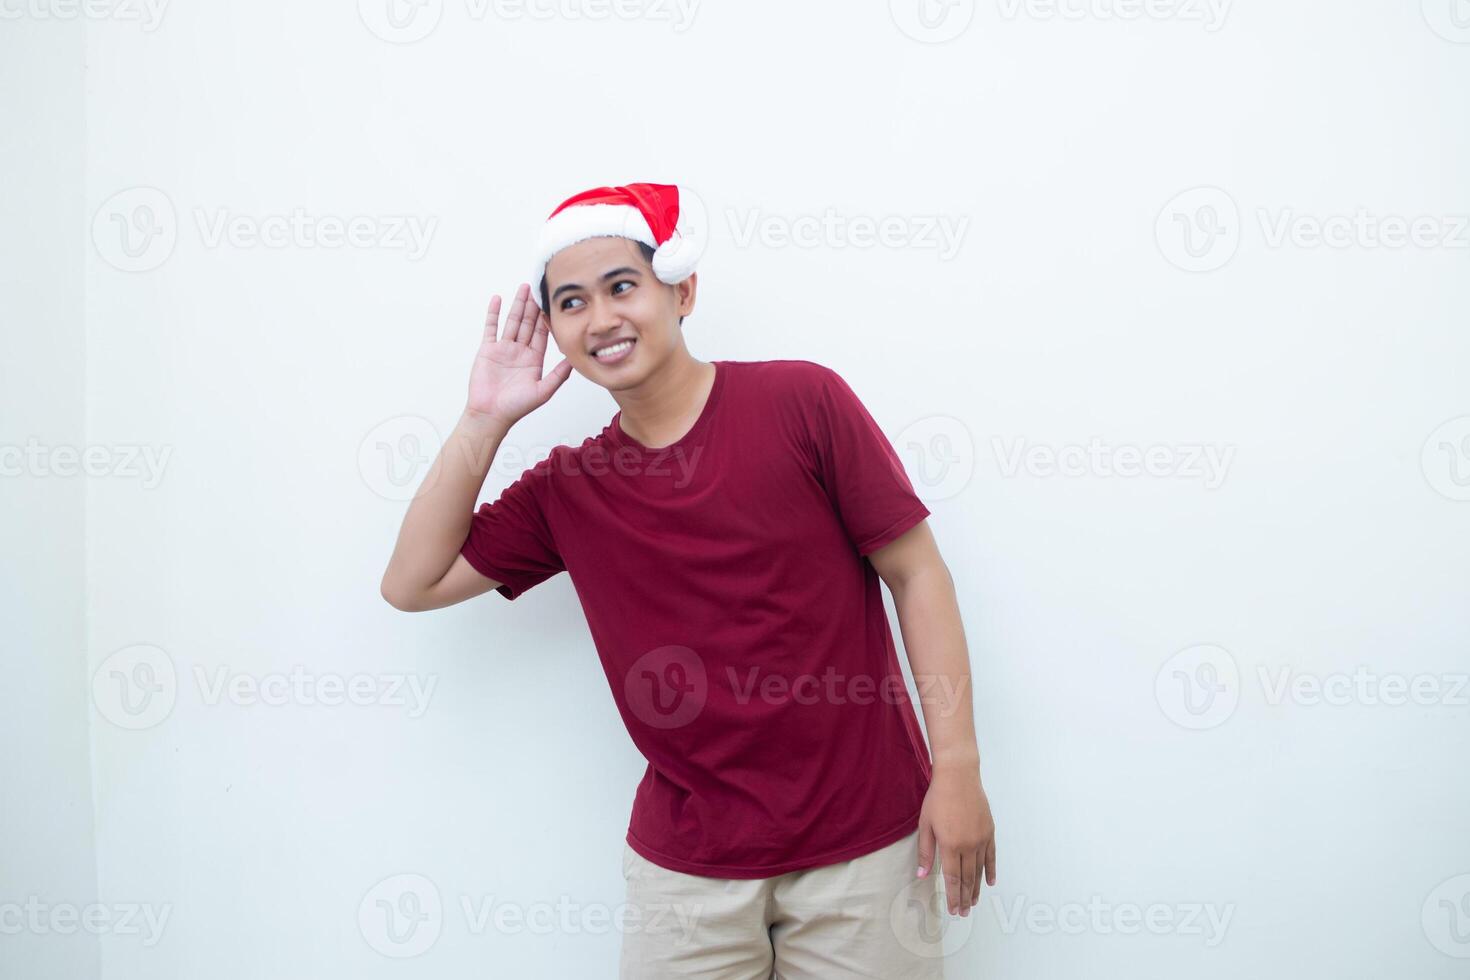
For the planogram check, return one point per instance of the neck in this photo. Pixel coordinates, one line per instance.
(661, 409)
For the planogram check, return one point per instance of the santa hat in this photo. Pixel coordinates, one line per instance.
(665, 217)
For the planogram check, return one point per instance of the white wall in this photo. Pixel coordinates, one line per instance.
(245, 393)
(48, 868)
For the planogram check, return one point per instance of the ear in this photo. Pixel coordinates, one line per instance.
(684, 294)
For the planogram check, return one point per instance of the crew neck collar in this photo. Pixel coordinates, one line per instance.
(621, 438)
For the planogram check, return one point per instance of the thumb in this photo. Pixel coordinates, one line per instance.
(926, 849)
(555, 378)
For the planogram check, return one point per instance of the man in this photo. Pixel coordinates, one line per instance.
(726, 534)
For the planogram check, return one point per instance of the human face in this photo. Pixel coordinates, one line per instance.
(602, 292)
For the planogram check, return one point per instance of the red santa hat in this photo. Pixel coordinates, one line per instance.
(662, 216)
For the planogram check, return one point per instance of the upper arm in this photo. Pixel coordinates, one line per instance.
(910, 554)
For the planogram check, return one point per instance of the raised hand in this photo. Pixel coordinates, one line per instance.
(506, 382)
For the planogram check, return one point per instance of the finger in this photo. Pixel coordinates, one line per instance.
(926, 851)
(538, 338)
(526, 329)
(949, 862)
(492, 319)
(967, 881)
(513, 321)
(990, 862)
(977, 859)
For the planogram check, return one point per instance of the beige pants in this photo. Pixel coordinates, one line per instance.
(868, 917)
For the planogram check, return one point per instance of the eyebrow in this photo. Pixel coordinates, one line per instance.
(622, 271)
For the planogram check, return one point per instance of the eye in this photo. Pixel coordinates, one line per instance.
(566, 301)
(622, 282)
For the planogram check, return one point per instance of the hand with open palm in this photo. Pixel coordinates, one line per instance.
(506, 382)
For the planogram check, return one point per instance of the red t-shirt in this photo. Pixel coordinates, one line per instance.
(738, 622)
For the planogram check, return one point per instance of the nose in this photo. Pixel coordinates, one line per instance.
(604, 319)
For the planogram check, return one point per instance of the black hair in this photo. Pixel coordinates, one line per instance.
(644, 247)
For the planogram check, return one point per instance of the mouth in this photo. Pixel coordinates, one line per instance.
(615, 353)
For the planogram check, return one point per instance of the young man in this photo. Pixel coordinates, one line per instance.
(725, 533)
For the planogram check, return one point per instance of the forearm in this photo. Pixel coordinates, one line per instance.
(438, 518)
(933, 635)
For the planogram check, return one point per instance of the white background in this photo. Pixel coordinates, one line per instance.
(1128, 634)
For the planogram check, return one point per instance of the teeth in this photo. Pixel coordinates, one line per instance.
(615, 349)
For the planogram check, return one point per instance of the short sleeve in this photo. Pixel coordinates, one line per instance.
(510, 540)
(859, 469)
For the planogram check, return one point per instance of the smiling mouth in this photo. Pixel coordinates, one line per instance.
(614, 352)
